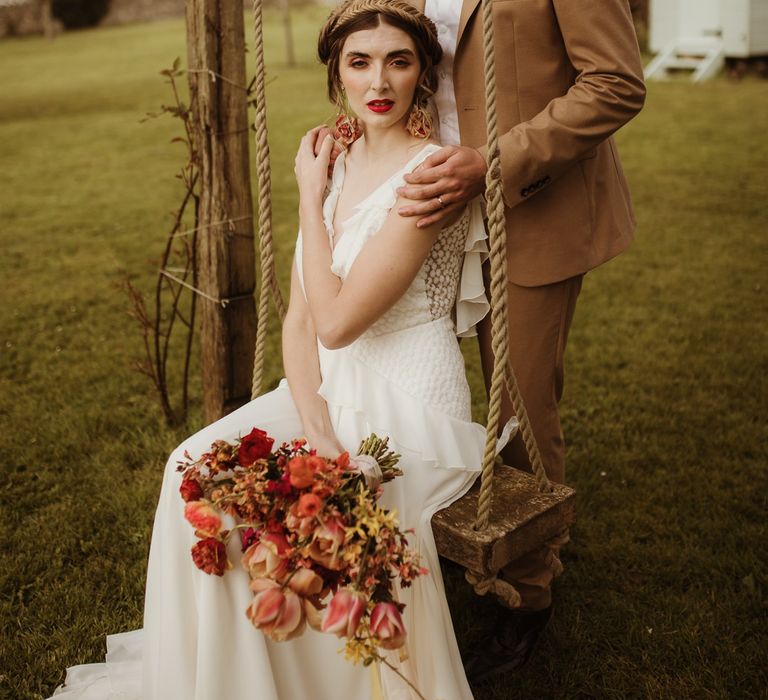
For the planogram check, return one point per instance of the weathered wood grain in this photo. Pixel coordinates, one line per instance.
(522, 519)
(225, 252)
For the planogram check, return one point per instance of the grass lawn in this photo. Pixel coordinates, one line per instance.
(665, 592)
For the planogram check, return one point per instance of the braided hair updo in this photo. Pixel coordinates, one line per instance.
(355, 15)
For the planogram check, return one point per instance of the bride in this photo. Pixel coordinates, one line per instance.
(369, 344)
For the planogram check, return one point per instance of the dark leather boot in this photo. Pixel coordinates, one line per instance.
(509, 646)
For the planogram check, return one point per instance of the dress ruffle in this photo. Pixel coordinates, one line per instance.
(471, 301)
(351, 387)
(117, 679)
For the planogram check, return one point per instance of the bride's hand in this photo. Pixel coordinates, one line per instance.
(335, 151)
(312, 170)
(326, 445)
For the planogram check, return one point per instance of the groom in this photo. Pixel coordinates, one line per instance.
(568, 76)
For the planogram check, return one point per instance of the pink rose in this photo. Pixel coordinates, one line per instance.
(267, 557)
(344, 613)
(203, 517)
(326, 541)
(276, 611)
(387, 625)
(210, 555)
(253, 447)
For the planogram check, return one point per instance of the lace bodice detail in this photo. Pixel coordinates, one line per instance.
(443, 266)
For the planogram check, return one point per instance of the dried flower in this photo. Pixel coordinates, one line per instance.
(309, 505)
(190, 489)
(210, 555)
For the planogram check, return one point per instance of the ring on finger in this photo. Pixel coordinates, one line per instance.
(440, 200)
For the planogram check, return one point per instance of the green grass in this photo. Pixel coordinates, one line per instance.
(664, 593)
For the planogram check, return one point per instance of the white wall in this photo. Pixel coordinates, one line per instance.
(743, 24)
(745, 27)
(671, 19)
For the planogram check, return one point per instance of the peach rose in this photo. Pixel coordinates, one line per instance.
(276, 611)
(267, 557)
(326, 541)
(305, 582)
(344, 613)
(387, 625)
(203, 517)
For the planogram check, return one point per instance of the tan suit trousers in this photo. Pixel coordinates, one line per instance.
(539, 321)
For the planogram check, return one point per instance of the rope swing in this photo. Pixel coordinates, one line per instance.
(530, 511)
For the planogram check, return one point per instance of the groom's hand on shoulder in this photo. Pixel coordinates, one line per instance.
(444, 182)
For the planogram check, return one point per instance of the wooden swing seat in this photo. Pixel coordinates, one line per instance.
(522, 519)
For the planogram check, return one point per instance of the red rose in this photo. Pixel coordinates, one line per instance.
(253, 447)
(210, 555)
(190, 490)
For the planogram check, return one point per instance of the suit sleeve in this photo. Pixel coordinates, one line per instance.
(601, 44)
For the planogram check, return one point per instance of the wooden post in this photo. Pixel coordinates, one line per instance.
(289, 52)
(46, 18)
(225, 252)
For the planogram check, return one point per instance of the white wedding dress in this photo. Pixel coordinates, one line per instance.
(404, 377)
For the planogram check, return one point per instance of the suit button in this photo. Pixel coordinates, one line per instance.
(547, 180)
(525, 192)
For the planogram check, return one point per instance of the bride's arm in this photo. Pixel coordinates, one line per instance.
(302, 370)
(382, 272)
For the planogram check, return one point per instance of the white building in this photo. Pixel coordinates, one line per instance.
(698, 35)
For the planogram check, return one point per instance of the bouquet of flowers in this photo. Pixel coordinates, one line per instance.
(317, 547)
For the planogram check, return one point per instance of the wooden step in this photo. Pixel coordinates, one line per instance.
(686, 63)
(522, 519)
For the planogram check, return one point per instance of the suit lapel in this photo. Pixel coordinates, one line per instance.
(467, 9)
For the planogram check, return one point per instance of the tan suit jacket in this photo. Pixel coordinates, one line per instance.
(568, 75)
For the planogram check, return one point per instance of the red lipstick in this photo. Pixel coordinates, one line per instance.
(380, 106)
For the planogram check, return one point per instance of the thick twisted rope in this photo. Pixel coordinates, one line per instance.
(503, 376)
(498, 257)
(264, 184)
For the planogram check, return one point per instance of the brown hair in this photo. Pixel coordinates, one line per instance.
(356, 15)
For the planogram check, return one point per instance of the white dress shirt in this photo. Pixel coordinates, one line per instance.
(445, 14)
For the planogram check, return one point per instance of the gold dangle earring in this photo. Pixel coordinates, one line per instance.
(347, 129)
(419, 122)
